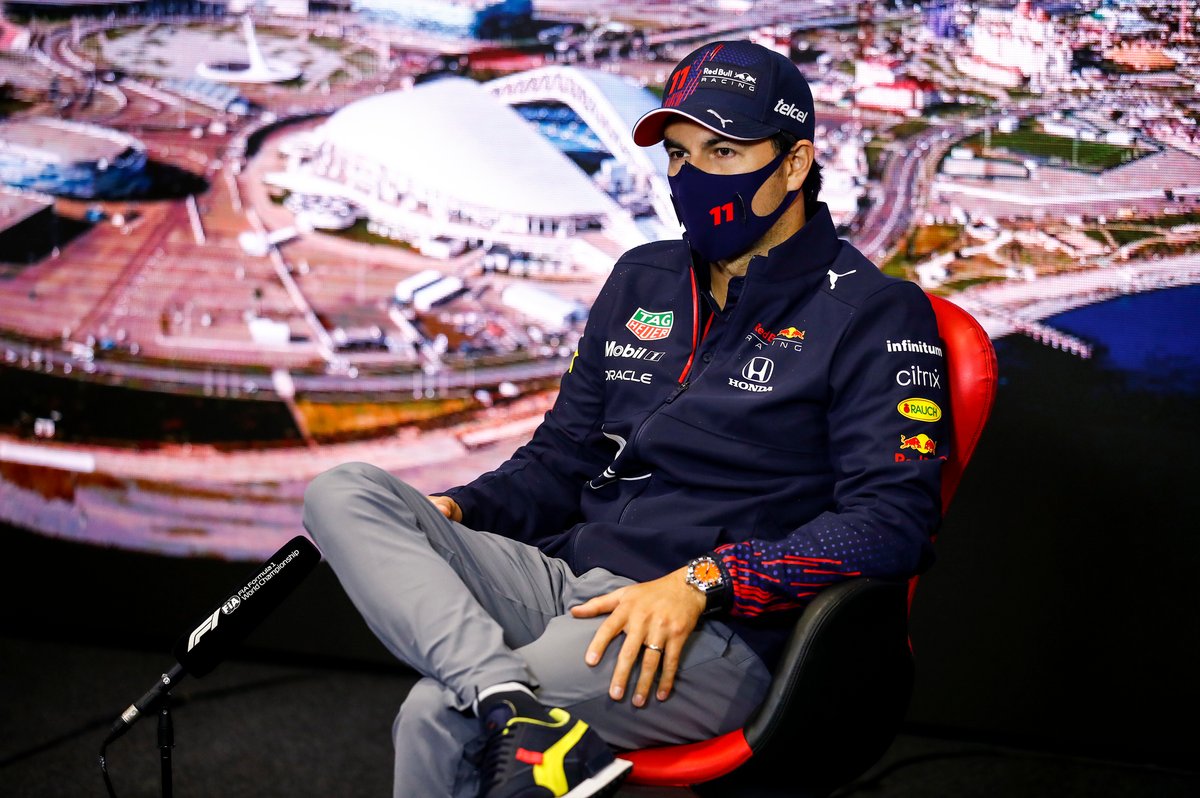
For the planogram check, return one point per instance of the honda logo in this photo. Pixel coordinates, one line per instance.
(759, 369)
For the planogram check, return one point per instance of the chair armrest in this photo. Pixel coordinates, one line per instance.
(841, 688)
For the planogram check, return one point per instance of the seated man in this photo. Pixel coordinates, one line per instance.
(731, 436)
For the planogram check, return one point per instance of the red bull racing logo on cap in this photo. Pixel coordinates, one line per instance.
(728, 76)
(649, 325)
(921, 443)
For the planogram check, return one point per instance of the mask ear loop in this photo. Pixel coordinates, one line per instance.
(784, 203)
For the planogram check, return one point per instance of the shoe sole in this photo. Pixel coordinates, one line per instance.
(604, 783)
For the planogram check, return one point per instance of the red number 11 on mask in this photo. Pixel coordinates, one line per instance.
(716, 213)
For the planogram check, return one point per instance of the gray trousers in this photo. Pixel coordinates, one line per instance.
(469, 609)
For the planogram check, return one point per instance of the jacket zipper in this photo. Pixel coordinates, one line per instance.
(682, 385)
(696, 337)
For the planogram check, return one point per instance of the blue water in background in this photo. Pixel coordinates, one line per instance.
(1153, 338)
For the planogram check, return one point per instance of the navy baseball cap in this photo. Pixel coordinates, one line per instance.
(739, 89)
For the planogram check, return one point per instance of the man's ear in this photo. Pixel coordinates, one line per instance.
(799, 161)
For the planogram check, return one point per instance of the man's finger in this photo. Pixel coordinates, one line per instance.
(598, 605)
(670, 666)
(630, 650)
(604, 635)
(447, 507)
(651, 655)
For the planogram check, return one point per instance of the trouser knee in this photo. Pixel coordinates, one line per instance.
(330, 497)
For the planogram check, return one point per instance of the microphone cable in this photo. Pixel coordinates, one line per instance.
(104, 770)
(208, 695)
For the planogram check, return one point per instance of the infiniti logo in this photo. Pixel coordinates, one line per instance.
(759, 369)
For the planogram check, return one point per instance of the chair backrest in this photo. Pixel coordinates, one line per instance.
(971, 364)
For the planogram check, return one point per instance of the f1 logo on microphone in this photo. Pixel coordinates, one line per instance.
(208, 625)
(759, 370)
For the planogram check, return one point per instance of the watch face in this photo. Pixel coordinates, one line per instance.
(706, 571)
(705, 574)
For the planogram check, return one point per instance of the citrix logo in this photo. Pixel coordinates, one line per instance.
(915, 375)
(789, 110)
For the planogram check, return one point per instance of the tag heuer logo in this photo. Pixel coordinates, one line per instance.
(649, 325)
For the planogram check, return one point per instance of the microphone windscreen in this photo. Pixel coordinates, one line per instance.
(217, 634)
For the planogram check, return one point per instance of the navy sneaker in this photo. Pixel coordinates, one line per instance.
(559, 758)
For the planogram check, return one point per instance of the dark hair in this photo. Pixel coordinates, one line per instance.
(783, 141)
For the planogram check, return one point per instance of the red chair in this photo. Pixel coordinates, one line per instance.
(843, 684)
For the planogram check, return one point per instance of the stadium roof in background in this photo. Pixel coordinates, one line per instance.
(630, 101)
(452, 135)
(50, 140)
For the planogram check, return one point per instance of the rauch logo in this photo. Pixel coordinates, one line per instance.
(919, 409)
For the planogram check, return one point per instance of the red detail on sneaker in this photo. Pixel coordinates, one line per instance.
(529, 757)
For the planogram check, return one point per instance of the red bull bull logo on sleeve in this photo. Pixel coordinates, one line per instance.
(921, 443)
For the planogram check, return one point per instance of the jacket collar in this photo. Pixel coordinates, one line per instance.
(806, 256)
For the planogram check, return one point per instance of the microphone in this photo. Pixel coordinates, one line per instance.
(219, 632)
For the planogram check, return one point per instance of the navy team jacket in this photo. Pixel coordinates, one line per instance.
(797, 434)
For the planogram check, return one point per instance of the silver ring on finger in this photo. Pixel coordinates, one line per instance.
(653, 647)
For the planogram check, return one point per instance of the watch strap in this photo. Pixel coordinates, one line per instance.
(718, 598)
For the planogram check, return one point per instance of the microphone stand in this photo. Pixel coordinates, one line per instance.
(159, 695)
(166, 741)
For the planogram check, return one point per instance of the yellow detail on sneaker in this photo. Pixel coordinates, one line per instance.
(550, 773)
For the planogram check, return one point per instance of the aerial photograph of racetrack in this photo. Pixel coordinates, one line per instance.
(241, 243)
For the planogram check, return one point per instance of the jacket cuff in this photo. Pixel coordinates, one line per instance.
(722, 603)
(464, 505)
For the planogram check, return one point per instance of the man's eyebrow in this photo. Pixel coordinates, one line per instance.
(715, 141)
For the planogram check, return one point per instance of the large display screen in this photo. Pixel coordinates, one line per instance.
(242, 244)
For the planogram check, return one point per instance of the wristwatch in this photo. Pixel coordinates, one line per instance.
(709, 577)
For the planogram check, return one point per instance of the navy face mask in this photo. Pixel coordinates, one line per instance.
(715, 209)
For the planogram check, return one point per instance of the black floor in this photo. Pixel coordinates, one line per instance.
(265, 728)
(306, 708)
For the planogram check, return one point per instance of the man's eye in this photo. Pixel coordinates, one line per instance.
(723, 152)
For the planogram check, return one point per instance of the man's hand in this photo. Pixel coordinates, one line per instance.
(447, 506)
(657, 618)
